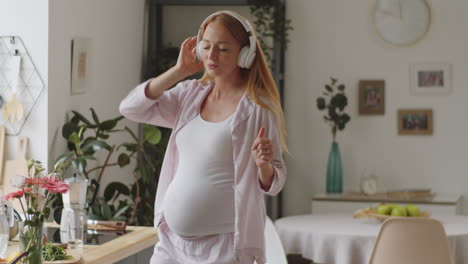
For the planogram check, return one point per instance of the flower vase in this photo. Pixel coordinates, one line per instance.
(30, 238)
(334, 170)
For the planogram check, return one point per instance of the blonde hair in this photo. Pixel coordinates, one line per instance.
(260, 82)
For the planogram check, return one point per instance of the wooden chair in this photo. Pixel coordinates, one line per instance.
(413, 241)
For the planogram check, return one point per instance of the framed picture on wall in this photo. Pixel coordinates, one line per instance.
(371, 97)
(415, 122)
(430, 78)
(80, 65)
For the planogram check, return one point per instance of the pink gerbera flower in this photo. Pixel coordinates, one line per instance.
(18, 194)
(54, 185)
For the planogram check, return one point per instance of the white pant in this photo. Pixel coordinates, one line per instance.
(213, 249)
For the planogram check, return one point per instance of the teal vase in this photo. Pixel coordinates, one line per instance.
(334, 170)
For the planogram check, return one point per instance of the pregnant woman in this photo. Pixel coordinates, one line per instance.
(225, 150)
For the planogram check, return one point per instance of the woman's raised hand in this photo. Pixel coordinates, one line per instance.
(187, 60)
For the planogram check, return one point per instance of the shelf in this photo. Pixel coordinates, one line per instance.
(442, 199)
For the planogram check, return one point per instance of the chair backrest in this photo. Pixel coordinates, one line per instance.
(274, 250)
(411, 240)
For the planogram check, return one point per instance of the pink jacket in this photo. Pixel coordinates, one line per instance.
(179, 105)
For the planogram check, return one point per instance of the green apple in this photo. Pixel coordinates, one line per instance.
(383, 209)
(413, 210)
(391, 205)
(398, 211)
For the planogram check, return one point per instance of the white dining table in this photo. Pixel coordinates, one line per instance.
(342, 239)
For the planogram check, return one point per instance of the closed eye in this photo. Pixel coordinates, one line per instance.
(207, 48)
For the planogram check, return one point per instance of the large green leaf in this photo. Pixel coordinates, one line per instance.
(81, 132)
(86, 148)
(89, 157)
(79, 165)
(152, 134)
(106, 211)
(74, 138)
(95, 117)
(75, 120)
(95, 209)
(123, 159)
(321, 104)
(119, 118)
(129, 146)
(121, 211)
(96, 145)
(115, 188)
(83, 119)
(102, 135)
(93, 216)
(109, 124)
(122, 203)
(46, 211)
(86, 141)
(63, 157)
(68, 129)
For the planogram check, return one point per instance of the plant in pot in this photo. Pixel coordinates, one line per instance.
(88, 138)
(35, 192)
(334, 102)
(271, 25)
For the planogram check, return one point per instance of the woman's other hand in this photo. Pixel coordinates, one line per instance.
(262, 149)
(187, 60)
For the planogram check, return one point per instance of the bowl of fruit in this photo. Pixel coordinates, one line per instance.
(387, 210)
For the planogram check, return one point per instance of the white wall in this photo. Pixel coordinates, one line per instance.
(116, 28)
(336, 38)
(28, 20)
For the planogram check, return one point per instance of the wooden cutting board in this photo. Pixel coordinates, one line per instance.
(18, 166)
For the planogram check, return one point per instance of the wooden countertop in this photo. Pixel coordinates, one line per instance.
(140, 237)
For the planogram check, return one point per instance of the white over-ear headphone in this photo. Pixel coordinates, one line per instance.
(247, 53)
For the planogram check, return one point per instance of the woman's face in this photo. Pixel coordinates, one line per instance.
(219, 51)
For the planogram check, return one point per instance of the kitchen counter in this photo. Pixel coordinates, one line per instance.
(138, 239)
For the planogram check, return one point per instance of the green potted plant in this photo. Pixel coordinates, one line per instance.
(334, 102)
(271, 25)
(88, 138)
(35, 192)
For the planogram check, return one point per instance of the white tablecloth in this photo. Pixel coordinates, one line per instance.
(340, 239)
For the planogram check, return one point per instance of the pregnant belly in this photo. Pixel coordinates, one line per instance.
(197, 208)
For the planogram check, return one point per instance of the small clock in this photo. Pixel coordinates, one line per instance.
(402, 22)
(369, 184)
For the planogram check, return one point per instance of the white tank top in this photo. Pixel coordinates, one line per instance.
(200, 199)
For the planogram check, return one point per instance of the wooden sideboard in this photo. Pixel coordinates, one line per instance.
(450, 204)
